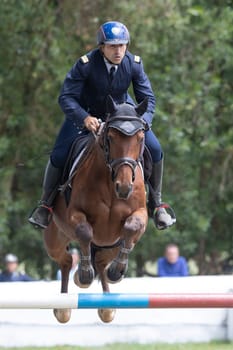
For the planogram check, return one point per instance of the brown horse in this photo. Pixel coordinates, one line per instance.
(107, 211)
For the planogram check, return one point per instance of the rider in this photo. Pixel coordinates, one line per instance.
(107, 70)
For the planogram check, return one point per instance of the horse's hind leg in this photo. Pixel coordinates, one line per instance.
(85, 274)
(133, 229)
(56, 246)
(63, 315)
(102, 258)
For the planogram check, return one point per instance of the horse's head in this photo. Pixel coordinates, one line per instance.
(124, 143)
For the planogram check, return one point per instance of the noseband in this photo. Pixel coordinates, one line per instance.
(118, 122)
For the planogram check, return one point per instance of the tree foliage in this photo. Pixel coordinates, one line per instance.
(187, 52)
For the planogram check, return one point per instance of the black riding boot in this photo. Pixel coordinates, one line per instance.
(156, 209)
(41, 215)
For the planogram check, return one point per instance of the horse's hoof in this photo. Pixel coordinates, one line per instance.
(106, 315)
(115, 275)
(84, 278)
(62, 315)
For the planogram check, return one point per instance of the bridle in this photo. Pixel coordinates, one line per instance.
(115, 164)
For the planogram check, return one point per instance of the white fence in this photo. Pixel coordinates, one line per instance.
(40, 328)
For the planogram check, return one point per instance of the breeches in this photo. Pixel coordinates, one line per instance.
(68, 133)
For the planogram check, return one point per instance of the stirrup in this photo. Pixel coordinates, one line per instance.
(169, 211)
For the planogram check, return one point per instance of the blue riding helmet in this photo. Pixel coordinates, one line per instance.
(113, 33)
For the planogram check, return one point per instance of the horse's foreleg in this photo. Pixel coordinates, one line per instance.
(133, 229)
(85, 274)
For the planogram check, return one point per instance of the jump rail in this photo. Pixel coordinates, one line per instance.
(116, 300)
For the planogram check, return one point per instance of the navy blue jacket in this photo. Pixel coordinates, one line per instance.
(87, 86)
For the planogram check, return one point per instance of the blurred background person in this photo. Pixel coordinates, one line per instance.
(75, 261)
(172, 264)
(11, 273)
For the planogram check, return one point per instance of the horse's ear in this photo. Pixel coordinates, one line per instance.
(142, 107)
(110, 105)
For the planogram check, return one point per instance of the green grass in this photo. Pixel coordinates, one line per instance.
(189, 346)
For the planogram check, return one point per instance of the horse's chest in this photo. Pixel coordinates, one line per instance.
(109, 215)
